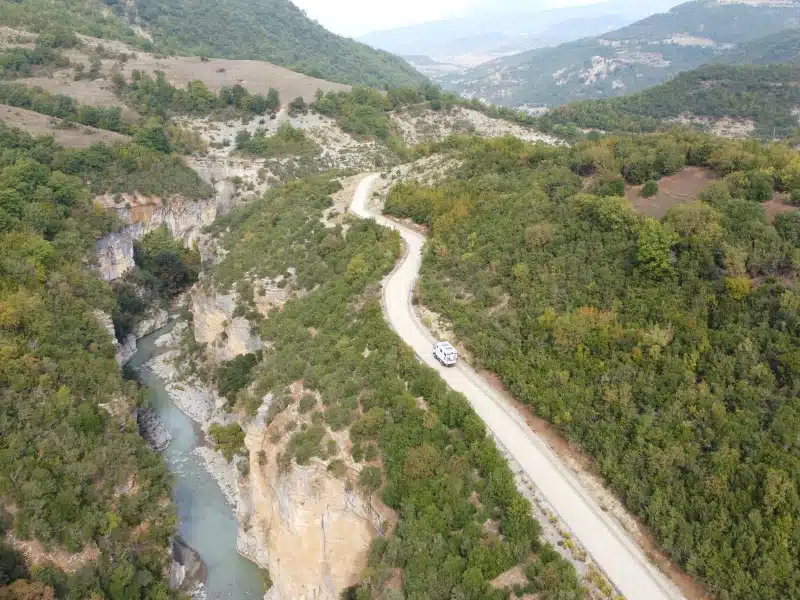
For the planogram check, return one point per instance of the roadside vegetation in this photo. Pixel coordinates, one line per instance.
(435, 464)
(667, 350)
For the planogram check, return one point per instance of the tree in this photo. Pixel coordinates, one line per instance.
(654, 249)
(273, 100)
(298, 106)
(369, 479)
(153, 135)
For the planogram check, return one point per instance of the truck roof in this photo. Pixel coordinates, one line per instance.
(445, 345)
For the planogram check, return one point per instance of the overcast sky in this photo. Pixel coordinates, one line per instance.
(356, 17)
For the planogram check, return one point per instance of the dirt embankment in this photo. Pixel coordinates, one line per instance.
(75, 136)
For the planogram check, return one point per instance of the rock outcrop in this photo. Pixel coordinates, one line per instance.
(154, 319)
(310, 528)
(124, 350)
(152, 429)
(227, 336)
(188, 569)
(142, 214)
(115, 254)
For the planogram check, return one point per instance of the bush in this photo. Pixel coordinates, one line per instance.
(228, 439)
(649, 189)
(611, 187)
(235, 374)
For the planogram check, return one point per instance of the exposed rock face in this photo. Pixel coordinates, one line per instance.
(115, 254)
(155, 319)
(125, 350)
(304, 525)
(188, 569)
(214, 324)
(152, 429)
(142, 214)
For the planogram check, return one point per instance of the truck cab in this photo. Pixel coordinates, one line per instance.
(445, 354)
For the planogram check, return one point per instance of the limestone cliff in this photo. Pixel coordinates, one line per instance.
(311, 529)
(124, 350)
(227, 336)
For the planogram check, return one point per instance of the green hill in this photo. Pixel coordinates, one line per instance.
(630, 59)
(768, 95)
(783, 46)
(271, 30)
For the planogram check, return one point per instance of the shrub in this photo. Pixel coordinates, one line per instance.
(649, 189)
(229, 439)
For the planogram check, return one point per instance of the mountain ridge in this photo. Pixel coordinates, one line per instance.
(637, 56)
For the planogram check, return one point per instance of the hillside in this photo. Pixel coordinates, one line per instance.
(763, 99)
(628, 59)
(270, 30)
(491, 29)
(665, 349)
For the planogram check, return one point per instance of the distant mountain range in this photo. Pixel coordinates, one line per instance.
(505, 28)
(635, 57)
(757, 100)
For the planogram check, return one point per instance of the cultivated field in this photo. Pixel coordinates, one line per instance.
(673, 190)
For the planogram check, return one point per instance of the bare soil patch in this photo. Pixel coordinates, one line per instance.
(776, 206)
(36, 124)
(96, 92)
(35, 554)
(257, 76)
(672, 191)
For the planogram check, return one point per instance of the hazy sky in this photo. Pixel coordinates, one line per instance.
(356, 17)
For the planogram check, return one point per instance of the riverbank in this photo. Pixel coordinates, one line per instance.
(207, 521)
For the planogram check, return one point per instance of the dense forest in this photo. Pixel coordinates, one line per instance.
(271, 30)
(767, 95)
(428, 460)
(74, 472)
(667, 350)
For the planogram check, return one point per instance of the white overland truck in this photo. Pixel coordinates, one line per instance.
(445, 354)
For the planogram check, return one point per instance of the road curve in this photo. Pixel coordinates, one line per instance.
(620, 558)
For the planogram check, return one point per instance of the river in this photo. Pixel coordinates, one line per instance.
(207, 521)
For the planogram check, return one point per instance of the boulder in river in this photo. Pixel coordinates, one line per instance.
(152, 429)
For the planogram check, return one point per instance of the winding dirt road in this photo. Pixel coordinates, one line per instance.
(620, 558)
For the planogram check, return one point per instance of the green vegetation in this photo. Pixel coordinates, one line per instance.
(272, 30)
(62, 107)
(127, 168)
(174, 265)
(228, 439)
(74, 475)
(72, 16)
(361, 112)
(649, 189)
(287, 141)
(156, 96)
(235, 375)
(21, 62)
(365, 112)
(434, 460)
(667, 349)
(765, 94)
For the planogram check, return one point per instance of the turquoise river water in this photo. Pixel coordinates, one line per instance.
(207, 521)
